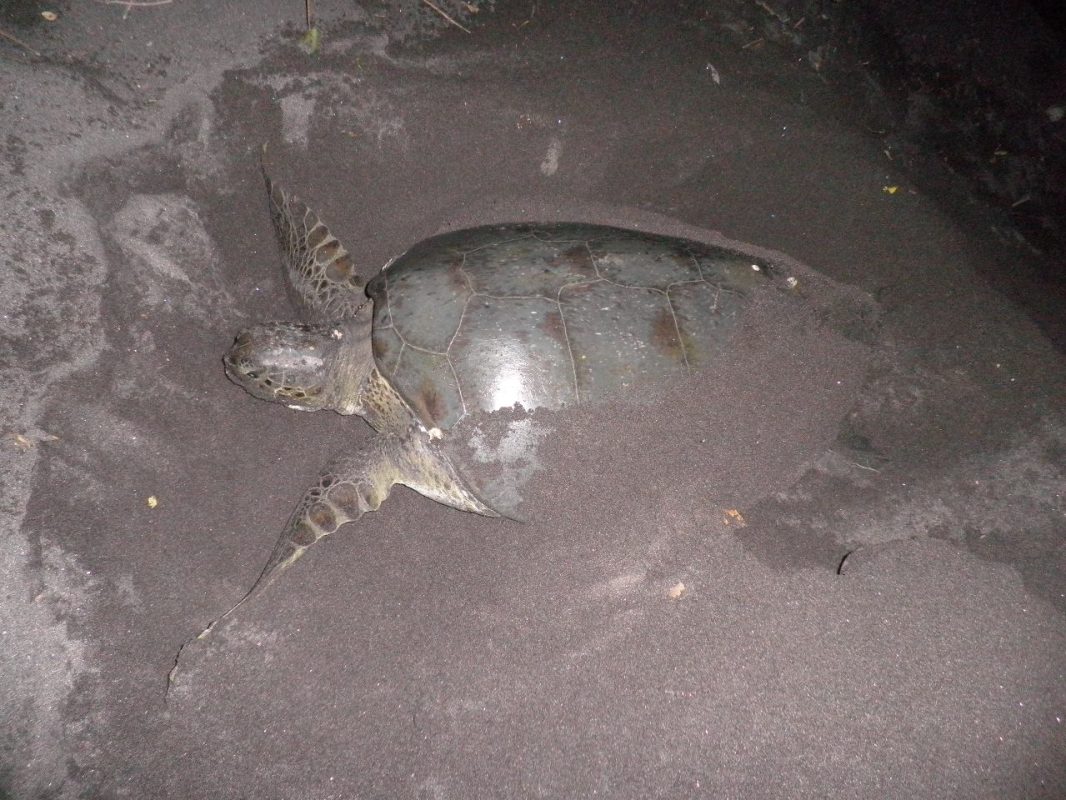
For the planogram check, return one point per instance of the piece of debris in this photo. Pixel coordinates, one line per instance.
(778, 14)
(889, 189)
(441, 11)
(714, 73)
(550, 165)
(26, 443)
(840, 564)
(50, 16)
(734, 517)
(676, 591)
(153, 501)
(309, 42)
(129, 5)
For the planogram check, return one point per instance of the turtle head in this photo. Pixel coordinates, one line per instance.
(306, 367)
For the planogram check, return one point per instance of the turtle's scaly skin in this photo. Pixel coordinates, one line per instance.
(321, 273)
(498, 317)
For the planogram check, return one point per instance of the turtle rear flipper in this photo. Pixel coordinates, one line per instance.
(349, 488)
(320, 270)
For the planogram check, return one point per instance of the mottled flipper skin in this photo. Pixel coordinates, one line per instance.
(320, 271)
(360, 482)
(350, 487)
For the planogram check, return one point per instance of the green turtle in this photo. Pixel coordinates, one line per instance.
(512, 316)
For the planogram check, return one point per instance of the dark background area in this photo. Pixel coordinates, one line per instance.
(967, 96)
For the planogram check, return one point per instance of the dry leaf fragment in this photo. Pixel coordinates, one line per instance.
(26, 443)
(734, 517)
(310, 42)
(153, 501)
(889, 189)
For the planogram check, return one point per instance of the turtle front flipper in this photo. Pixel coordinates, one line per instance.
(356, 484)
(321, 273)
(349, 488)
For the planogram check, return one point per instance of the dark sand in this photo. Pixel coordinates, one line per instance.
(870, 529)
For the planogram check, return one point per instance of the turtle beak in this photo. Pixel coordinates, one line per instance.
(282, 363)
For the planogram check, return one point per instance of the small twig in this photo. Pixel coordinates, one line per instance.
(309, 7)
(445, 15)
(863, 466)
(136, 3)
(780, 16)
(840, 566)
(752, 43)
(129, 5)
(8, 36)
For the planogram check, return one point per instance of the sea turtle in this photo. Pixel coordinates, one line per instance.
(514, 316)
